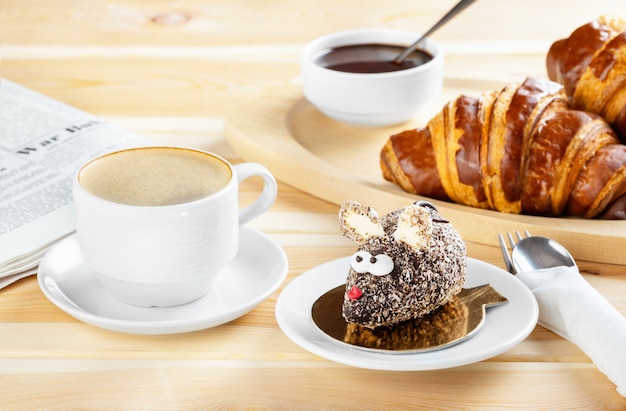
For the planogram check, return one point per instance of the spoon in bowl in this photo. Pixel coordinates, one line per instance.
(460, 6)
(534, 253)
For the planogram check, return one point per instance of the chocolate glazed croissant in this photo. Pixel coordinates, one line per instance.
(591, 64)
(520, 150)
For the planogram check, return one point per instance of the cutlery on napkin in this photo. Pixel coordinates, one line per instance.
(572, 308)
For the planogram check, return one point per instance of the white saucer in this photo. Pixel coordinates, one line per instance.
(505, 325)
(258, 269)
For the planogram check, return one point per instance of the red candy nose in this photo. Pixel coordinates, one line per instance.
(355, 293)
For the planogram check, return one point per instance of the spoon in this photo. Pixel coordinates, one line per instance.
(460, 6)
(534, 253)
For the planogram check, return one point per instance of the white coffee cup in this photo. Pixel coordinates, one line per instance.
(157, 224)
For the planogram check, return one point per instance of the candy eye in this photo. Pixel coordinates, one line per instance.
(379, 265)
(360, 261)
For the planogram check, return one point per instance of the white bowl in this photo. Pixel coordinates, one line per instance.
(371, 99)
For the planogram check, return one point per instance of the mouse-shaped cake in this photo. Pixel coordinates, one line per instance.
(409, 263)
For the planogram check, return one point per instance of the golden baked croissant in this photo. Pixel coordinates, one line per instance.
(591, 64)
(521, 149)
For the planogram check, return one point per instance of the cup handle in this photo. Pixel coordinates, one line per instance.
(267, 196)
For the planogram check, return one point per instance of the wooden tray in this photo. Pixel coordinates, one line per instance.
(337, 162)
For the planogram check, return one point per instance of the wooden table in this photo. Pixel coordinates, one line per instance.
(171, 71)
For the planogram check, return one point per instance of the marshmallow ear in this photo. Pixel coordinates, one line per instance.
(415, 227)
(359, 222)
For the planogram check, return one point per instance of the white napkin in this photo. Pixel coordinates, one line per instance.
(572, 308)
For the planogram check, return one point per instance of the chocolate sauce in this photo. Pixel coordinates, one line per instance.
(369, 58)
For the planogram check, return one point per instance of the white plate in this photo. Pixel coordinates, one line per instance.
(505, 326)
(258, 269)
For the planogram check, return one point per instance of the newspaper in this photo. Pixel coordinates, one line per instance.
(43, 142)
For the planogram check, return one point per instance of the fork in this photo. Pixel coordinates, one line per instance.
(505, 252)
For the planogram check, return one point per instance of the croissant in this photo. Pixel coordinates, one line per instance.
(591, 64)
(521, 149)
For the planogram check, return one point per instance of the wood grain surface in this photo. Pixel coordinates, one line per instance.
(173, 71)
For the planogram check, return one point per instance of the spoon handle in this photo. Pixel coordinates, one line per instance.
(460, 6)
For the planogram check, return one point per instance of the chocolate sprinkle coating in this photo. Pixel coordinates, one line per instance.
(446, 323)
(421, 281)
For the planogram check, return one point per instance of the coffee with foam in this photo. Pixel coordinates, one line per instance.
(155, 176)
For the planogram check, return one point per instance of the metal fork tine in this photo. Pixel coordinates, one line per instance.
(505, 254)
(511, 240)
(504, 249)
